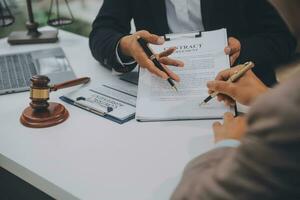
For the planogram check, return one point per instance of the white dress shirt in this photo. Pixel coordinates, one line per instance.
(184, 15)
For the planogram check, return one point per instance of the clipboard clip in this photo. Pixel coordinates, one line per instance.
(176, 36)
(82, 103)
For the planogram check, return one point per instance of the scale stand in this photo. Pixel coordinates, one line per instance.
(32, 36)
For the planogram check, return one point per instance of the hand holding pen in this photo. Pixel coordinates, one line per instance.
(130, 47)
(245, 87)
(151, 55)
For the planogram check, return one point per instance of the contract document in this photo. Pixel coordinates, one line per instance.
(204, 57)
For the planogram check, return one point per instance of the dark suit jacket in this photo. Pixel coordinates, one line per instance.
(267, 164)
(264, 37)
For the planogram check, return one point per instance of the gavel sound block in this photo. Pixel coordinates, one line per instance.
(40, 113)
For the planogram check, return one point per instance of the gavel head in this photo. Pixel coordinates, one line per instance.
(39, 92)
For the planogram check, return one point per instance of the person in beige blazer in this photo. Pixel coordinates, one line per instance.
(257, 156)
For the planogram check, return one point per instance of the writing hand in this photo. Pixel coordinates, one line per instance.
(245, 90)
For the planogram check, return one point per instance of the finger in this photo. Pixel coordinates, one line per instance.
(234, 45)
(167, 52)
(144, 62)
(223, 87)
(228, 117)
(172, 74)
(169, 61)
(216, 127)
(151, 38)
(153, 69)
(225, 74)
(233, 58)
(227, 50)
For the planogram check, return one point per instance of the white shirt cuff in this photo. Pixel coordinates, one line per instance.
(228, 143)
(119, 58)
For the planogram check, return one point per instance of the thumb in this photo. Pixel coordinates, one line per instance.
(234, 45)
(222, 87)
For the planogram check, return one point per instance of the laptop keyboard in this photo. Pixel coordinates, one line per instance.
(16, 71)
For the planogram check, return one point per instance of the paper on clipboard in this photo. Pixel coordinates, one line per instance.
(110, 100)
(204, 57)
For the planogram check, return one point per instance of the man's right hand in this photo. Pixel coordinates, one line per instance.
(130, 47)
(245, 90)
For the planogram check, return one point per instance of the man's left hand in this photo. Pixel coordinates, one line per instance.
(233, 49)
(232, 128)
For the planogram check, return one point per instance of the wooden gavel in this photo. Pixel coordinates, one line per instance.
(42, 114)
(40, 89)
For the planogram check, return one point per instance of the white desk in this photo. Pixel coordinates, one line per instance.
(89, 157)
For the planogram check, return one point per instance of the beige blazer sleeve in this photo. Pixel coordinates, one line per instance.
(267, 164)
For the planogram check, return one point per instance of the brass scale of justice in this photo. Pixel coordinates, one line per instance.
(41, 113)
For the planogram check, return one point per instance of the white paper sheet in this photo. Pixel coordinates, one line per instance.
(204, 57)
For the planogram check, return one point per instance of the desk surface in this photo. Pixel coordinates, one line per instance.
(89, 157)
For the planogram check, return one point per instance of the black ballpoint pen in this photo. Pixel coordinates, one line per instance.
(144, 44)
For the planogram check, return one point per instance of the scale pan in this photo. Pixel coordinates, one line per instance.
(60, 22)
(6, 21)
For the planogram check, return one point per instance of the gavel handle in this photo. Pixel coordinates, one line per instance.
(71, 83)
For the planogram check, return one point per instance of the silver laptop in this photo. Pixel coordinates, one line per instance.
(17, 69)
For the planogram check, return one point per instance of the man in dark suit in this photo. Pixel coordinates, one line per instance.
(265, 164)
(256, 30)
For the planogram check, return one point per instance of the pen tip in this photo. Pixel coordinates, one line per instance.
(202, 104)
(175, 88)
